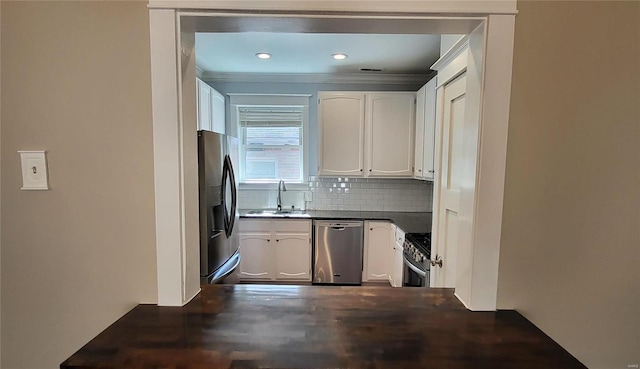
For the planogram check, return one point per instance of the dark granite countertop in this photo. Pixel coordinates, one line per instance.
(407, 221)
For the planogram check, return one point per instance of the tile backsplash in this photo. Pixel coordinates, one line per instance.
(359, 194)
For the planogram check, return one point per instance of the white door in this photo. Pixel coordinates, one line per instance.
(452, 102)
(341, 128)
(390, 138)
(293, 256)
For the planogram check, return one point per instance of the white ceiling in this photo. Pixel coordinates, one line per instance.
(310, 53)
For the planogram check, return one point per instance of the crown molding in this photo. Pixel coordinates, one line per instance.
(199, 72)
(460, 46)
(353, 78)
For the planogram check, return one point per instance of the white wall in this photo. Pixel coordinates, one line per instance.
(356, 194)
(570, 246)
(447, 41)
(75, 82)
(0, 196)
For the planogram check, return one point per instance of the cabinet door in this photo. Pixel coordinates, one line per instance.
(390, 123)
(398, 264)
(428, 169)
(293, 256)
(418, 171)
(391, 253)
(397, 261)
(217, 112)
(378, 234)
(341, 130)
(204, 106)
(256, 256)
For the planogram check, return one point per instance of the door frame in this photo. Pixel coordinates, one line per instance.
(175, 170)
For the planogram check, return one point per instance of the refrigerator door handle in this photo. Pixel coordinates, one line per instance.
(234, 196)
(229, 216)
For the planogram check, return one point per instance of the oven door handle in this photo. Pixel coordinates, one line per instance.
(421, 273)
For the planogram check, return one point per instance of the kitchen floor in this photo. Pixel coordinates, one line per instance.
(269, 326)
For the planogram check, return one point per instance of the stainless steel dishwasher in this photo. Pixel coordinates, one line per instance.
(337, 252)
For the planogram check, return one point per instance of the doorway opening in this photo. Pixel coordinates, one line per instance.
(187, 24)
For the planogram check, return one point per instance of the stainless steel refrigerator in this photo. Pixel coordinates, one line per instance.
(218, 196)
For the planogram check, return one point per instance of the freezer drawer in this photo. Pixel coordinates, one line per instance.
(337, 252)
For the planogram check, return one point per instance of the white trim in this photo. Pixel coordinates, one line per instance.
(458, 7)
(495, 98)
(167, 157)
(268, 99)
(455, 50)
(200, 73)
(239, 99)
(453, 63)
(355, 78)
(492, 156)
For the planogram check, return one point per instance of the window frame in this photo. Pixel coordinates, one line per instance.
(265, 100)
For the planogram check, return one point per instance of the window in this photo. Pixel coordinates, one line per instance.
(272, 140)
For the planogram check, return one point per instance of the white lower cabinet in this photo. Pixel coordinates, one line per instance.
(293, 256)
(377, 236)
(256, 257)
(275, 250)
(397, 261)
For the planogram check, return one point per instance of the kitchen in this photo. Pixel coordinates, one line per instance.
(396, 195)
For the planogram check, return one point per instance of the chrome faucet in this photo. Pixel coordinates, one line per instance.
(284, 188)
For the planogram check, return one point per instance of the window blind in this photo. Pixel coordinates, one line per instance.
(255, 116)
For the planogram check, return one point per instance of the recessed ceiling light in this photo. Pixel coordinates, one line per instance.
(339, 56)
(263, 55)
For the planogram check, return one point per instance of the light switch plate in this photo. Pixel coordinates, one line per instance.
(34, 170)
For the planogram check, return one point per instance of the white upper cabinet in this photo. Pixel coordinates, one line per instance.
(341, 130)
(366, 134)
(425, 131)
(204, 106)
(218, 111)
(390, 123)
(211, 108)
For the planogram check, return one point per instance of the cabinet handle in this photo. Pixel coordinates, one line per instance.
(268, 240)
(431, 171)
(277, 240)
(370, 170)
(361, 170)
(371, 229)
(419, 170)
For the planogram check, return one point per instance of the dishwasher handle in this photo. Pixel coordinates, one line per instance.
(339, 226)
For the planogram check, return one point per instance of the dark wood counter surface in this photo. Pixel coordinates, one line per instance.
(263, 326)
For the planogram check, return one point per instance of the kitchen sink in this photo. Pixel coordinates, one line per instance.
(279, 213)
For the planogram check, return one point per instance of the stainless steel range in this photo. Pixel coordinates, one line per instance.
(417, 263)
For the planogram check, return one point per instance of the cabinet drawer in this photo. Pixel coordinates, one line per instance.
(303, 226)
(255, 225)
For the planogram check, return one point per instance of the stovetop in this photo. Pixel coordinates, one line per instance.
(421, 241)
